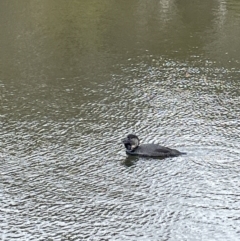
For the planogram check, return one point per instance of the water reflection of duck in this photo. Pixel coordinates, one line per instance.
(132, 146)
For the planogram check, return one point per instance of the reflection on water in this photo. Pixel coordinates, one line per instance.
(130, 160)
(75, 78)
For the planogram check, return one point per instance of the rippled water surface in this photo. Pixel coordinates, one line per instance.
(76, 78)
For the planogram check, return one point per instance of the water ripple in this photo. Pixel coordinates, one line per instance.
(69, 178)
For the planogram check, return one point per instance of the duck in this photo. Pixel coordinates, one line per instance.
(133, 147)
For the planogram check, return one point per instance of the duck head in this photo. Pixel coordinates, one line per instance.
(131, 142)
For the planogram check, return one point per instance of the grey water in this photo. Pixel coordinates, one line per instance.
(78, 76)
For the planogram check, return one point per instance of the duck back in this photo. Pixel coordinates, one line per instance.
(154, 150)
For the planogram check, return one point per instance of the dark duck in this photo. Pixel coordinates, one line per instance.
(133, 147)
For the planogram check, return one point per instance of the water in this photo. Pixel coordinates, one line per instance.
(75, 78)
